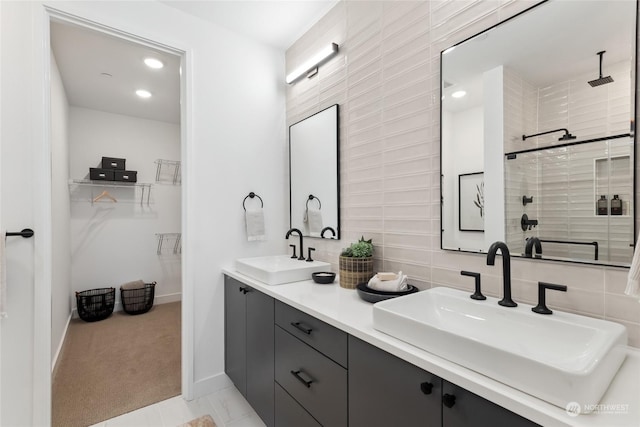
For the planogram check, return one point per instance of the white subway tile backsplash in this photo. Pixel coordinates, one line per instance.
(622, 307)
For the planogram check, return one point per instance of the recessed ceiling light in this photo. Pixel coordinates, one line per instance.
(153, 63)
(458, 94)
(143, 93)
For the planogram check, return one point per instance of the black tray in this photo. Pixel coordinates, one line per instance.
(373, 296)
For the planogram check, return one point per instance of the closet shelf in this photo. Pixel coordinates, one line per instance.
(165, 238)
(168, 172)
(142, 191)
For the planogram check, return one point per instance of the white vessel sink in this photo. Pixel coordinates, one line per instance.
(279, 269)
(559, 358)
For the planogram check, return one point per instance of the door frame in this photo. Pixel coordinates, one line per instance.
(43, 262)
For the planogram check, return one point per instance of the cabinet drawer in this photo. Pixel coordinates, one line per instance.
(313, 380)
(289, 413)
(330, 341)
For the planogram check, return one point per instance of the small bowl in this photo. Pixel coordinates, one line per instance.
(323, 277)
(373, 295)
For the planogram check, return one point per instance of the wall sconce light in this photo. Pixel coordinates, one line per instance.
(313, 62)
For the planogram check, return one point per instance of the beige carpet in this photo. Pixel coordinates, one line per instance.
(114, 366)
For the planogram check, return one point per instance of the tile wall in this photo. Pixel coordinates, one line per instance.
(564, 181)
(386, 80)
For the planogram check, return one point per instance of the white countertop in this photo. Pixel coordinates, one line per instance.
(343, 308)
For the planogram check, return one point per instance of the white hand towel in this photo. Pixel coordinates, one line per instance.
(314, 218)
(397, 285)
(3, 275)
(255, 224)
(633, 281)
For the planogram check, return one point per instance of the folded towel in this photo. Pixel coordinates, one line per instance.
(397, 285)
(633, 281)
(3, 275)
(387, 276)
(136, 284)
(313, 219)
(255, 224)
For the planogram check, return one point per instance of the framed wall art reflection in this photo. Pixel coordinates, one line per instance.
(471, 201)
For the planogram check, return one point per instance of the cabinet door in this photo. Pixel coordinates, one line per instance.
(235, 325)
(463, 408)
(260, 355)
(289, 413)
(387, 391)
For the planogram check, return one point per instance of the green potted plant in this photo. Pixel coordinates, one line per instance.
(356, 264)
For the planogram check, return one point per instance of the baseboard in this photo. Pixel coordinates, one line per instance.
(211, 385)
(164, 299)
(159, 299)
(61, 343)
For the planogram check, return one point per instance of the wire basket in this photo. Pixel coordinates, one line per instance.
(95, 304)
(138, 301)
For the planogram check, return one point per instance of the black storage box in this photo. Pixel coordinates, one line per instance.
(97, 174)
(138, 301)
(95, 304)
(127, 176)
(113, 163)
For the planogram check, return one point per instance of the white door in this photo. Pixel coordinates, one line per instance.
(25, 353)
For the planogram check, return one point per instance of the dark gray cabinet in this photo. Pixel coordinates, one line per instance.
(311, 368)
(384, 390)
(463, 408)
(249, 345)
(235, 335)
(297, 371)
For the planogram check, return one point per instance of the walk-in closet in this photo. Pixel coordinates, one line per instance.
(117, 205)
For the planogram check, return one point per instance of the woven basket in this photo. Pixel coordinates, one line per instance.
(354, 271)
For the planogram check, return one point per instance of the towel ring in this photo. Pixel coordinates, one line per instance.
(311, 197)
(252, 195)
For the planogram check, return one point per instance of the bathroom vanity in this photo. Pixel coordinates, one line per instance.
(305, 354)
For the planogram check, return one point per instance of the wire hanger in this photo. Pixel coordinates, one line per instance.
(105, 194)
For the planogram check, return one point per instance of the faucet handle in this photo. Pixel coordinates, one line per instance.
(309, 254)
(477, 295)
(294, 251)
(542, 308)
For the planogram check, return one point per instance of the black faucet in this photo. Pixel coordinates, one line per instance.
(295, 230)
(542, 308)
(506, 300)
(333, 232)
(528, 249)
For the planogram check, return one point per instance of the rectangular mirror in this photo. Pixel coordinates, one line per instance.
(537, 135)
(314, 175)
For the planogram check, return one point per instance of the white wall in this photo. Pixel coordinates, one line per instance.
(61, 268)
(235, 144)
(464, 155)
(113, 243)
(494, 123)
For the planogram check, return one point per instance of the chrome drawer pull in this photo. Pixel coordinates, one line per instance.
(302, 380)
(299, 326)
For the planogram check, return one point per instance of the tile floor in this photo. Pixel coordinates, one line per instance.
(227, 407)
